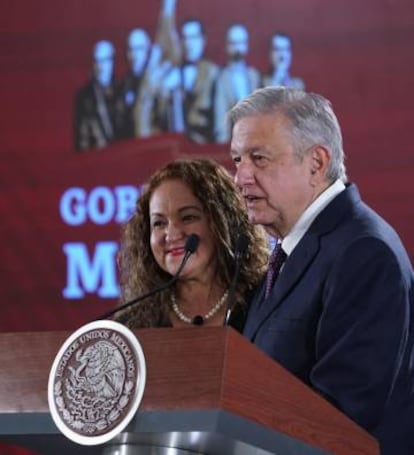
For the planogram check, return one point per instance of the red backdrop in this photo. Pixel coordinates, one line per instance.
(359, 55)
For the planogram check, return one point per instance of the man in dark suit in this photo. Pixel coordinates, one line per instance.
(339, 315)
(95, 111)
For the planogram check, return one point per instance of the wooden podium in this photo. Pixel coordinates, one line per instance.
(208, 391)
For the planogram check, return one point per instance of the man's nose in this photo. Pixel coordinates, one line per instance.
(244, 174)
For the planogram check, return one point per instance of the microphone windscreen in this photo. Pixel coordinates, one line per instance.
(242, 243)
(192, 242)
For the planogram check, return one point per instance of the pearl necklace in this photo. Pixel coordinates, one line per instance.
(198, 319)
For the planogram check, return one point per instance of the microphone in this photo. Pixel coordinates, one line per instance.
(242, 243)
(190, 247)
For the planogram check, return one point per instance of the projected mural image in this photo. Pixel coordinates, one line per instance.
(170, 84)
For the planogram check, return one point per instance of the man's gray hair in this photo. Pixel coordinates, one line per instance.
(311, 117)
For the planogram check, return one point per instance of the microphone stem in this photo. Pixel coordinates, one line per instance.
(232, 289)
(149, 293)
(141, 297)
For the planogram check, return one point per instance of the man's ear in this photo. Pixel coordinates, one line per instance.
(320, 157)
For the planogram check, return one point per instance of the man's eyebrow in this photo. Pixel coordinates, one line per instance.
(252, 149)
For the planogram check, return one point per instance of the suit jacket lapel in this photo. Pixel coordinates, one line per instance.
(293, 269)
(300, 259)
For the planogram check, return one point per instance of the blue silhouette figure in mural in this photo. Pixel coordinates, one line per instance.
(138, 49)
(187, 93)
(280, 57)
(236, 80)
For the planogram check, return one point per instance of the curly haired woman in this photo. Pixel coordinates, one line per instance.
(194, 196)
